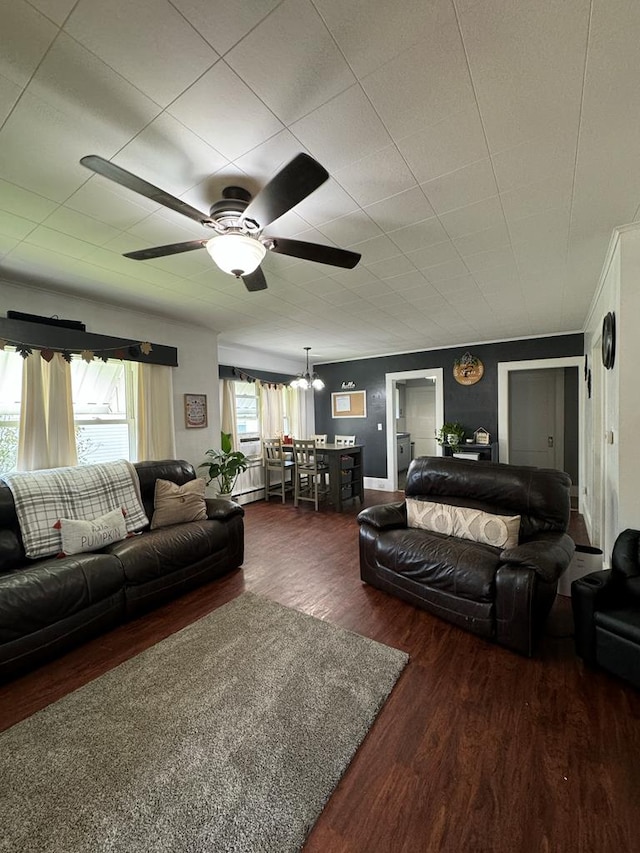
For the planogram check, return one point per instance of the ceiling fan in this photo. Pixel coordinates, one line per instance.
(238, 246)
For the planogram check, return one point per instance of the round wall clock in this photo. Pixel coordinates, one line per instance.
(468, 370)
(609, 340)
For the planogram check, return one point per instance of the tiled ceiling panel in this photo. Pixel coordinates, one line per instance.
(137, 38)
(479, 156)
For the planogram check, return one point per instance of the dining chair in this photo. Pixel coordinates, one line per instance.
(320, 441)
(345, 440)
(310, 473)
(275, 462)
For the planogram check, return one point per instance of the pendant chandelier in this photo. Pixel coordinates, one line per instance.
(307, 380)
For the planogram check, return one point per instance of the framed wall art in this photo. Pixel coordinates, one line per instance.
(195, 411)
(349, 404)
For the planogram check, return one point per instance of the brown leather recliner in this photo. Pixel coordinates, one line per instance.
(502, 595)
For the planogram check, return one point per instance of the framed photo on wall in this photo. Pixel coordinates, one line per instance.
(195, 411)
(349, 404)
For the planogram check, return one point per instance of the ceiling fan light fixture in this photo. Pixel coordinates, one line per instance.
(307, 380)
(236, 254)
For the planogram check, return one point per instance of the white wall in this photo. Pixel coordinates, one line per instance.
(612, 421)
(627, 363)
(197, 347)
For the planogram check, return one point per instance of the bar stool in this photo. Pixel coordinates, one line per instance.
(321, 440)
(275, 461)
(310, 473)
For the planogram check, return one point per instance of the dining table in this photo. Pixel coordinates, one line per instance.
(344, 464)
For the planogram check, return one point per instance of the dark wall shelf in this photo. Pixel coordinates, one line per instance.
(488, 452)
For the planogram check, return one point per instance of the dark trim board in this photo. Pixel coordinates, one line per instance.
(227, 371)
(41, 336)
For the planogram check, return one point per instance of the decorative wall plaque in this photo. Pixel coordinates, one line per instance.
(195, 411)
(468, 370)
(481, 436)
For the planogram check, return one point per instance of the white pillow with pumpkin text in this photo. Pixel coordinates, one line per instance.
(79, 535)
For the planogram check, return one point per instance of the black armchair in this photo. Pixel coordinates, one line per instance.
(606, 612)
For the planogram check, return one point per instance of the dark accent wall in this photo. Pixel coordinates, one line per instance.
(472, 405)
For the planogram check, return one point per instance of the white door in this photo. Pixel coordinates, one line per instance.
(420, 411)
(433, 375)
(536, 407)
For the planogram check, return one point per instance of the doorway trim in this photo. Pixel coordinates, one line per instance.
(434, 373)
(504, 369)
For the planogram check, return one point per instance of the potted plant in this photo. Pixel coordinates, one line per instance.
(225, 465)
(450, 434)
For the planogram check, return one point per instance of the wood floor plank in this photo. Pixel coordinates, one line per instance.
(477, 749)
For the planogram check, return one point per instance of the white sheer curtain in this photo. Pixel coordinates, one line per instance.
(47, 435)
(253, 477)
(155, 428)
(228, 419)
(298, 411)
(271, 410)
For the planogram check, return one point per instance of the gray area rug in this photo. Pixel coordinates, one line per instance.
(229, 735)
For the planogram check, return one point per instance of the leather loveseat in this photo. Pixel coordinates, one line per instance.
(500, 593)
(606, 611)
(48, 605)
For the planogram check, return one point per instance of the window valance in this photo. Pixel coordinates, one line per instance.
(41, 336)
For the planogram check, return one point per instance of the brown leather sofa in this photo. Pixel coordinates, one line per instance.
(48, 605)
(502, 595)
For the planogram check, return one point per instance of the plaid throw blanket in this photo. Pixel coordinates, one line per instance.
(85, 492)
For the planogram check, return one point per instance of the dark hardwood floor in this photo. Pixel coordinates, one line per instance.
(477, 749)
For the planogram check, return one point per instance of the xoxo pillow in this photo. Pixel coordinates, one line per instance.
(500, 531)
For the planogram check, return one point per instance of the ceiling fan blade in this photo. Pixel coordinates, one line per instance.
(315, 252)
(294, 182)
(163, 251)
(133, 182)
(255, 280)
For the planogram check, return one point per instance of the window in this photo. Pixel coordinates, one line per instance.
(10, 396)
(103, 410)
(247, 409)
(248, 418)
